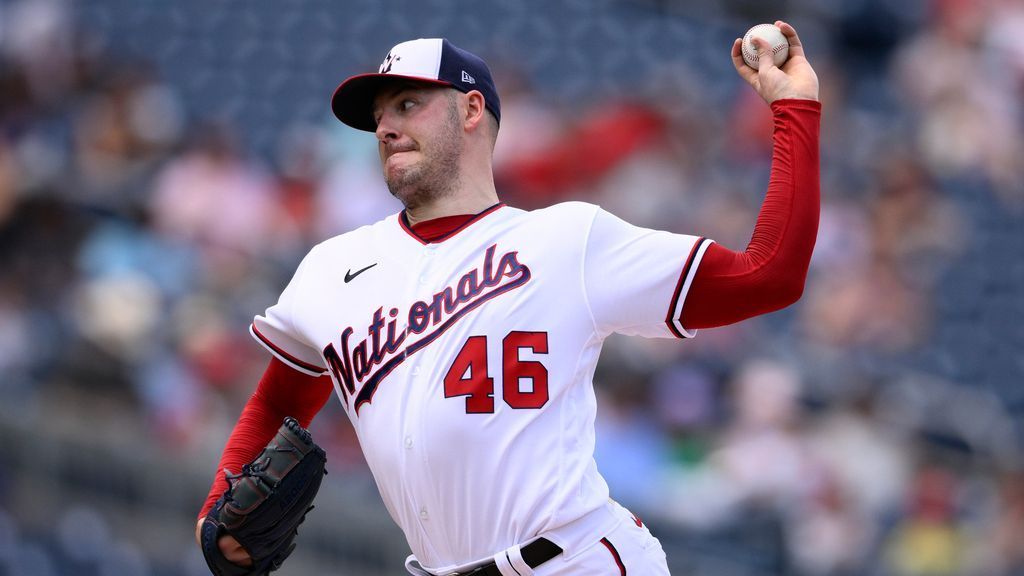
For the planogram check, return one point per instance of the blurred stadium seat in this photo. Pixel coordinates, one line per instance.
(124, 357)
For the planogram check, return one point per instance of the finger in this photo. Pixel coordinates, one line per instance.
(745, 72)
(795, 47)
(233, 551)
(765, 57)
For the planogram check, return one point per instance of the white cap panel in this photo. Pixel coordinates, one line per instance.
(420, 57)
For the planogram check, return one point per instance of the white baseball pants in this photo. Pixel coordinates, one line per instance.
(630, 549)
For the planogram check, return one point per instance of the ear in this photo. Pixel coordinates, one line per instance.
(475, 110)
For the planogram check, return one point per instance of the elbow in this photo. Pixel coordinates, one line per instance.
(795, 289)
(787, 291)
(785, 281)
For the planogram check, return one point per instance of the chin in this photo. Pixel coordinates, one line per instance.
(402, 185)
(400, 177)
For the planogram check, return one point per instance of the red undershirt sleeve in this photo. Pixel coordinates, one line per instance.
(282, 392)
(732, 286)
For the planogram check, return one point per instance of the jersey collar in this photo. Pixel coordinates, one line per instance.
(404, 222)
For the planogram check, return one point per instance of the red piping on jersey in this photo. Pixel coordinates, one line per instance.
(615, 555)
(404, 222)
(286, 356)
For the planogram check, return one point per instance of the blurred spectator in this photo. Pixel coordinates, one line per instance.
(764, 457)
(928, 540)
(302, 163)
(585, 152)
(913, 226)
(762, 461)
(631, 449)
(529, 124)
(1007, 544)
(120, 135)
(828, 535)
(874, 307)
(967, 123)
(868, 458)
(1004, 46)
(8, 181)
(15, 344)
(38, 36)
(213, 197)
(138, 237)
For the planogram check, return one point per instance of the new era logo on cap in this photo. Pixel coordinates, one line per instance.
(429, 60)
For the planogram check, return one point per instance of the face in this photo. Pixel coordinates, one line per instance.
(419, 140)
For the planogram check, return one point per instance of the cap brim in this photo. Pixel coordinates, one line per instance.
(352, 102)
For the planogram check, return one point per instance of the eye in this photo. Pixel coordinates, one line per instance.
(407, 104)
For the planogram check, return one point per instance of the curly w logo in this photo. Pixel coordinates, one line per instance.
(385, 66)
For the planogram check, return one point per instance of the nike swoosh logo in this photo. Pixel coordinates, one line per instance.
(349, 276)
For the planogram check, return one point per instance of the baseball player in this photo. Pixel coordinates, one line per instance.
(461, 335)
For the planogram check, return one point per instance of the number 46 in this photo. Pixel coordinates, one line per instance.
(468, 375)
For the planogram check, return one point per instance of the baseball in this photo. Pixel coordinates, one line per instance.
(774, 36)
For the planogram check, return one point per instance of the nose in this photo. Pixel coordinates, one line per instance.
(386, 129)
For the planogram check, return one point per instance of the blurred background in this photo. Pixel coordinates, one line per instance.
(165, 164)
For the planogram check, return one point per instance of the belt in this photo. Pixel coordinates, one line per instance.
(535, 553)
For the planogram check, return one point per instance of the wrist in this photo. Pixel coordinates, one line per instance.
(796, 96)
(795, 104)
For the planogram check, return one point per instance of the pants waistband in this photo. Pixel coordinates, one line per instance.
(571, 538)
(533, 555)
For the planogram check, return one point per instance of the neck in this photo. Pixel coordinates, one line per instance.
(473, 196)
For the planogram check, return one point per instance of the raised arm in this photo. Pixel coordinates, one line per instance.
(732, 286)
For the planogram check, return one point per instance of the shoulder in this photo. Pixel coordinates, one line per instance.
(565, 213)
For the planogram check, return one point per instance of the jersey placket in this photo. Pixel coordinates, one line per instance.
(416, 388)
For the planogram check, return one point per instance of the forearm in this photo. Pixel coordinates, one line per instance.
(770, 274)
(282, 392)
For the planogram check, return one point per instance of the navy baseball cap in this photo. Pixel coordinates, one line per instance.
(429, 60)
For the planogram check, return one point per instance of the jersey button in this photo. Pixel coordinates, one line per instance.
(408, 442)
(415, 370)
(423, 513)
(423, 280)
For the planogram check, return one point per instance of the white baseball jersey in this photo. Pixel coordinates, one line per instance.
(465, 364)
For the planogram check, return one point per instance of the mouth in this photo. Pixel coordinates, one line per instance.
(394, 159)
(398, 161)
(398, 150)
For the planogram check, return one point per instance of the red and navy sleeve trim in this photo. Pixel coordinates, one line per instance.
(404, 222)
(675, 309)
(300, 365)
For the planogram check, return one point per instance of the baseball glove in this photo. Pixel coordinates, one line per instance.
(264, 504)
